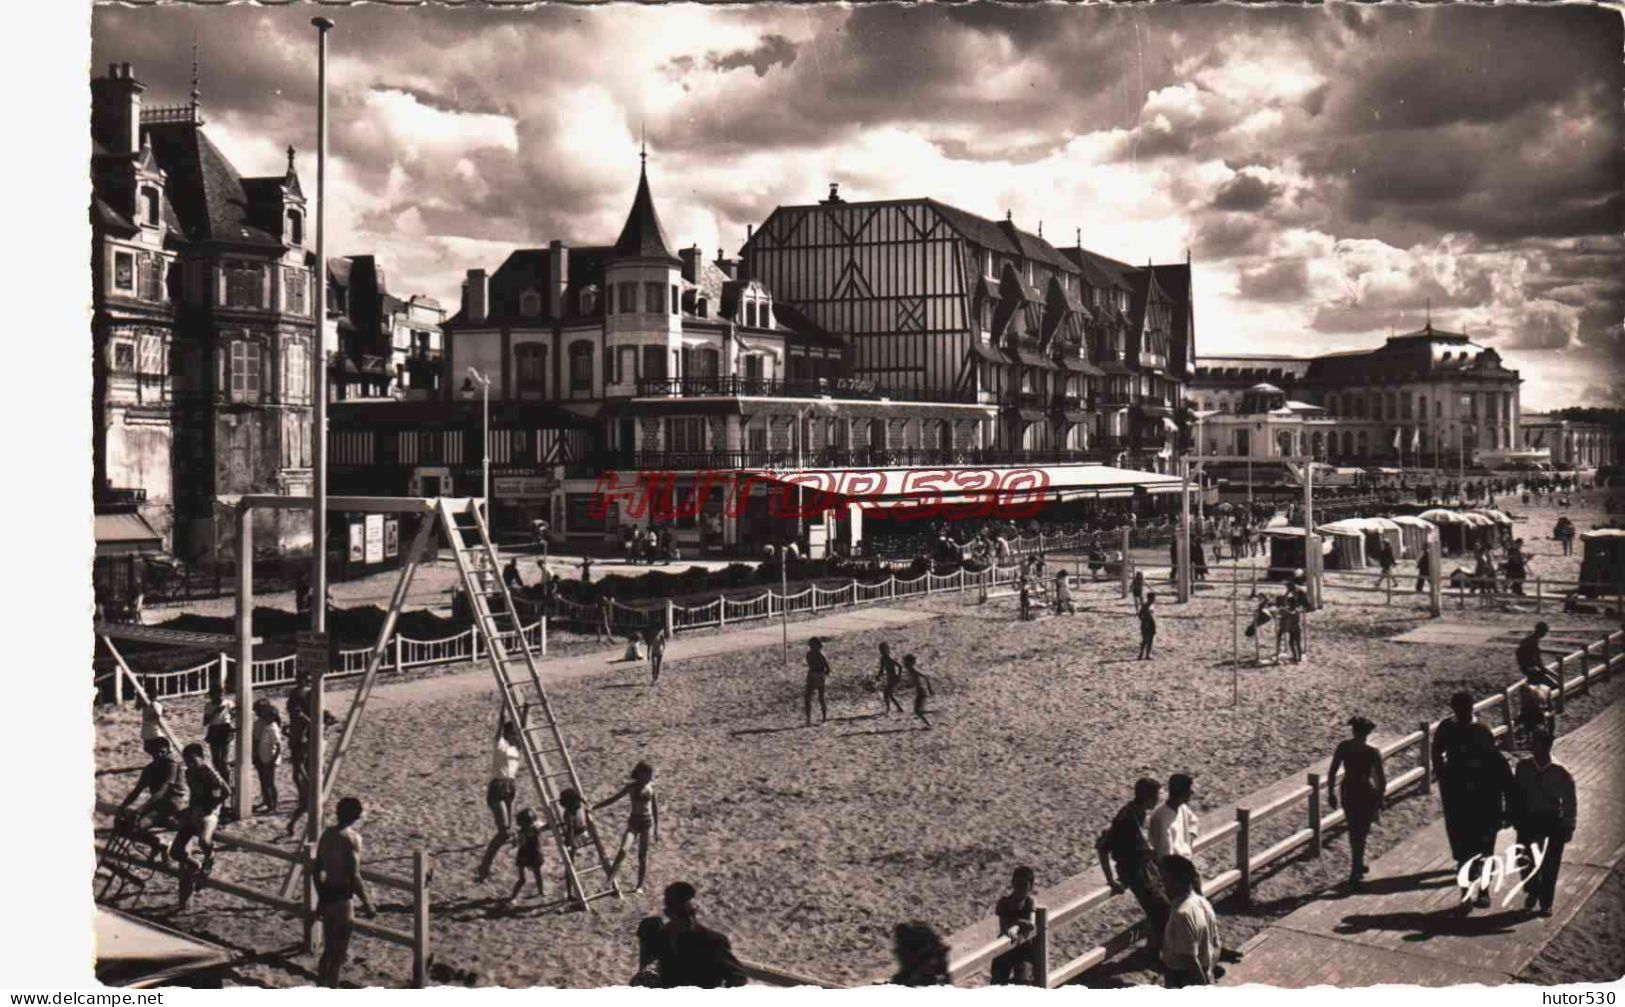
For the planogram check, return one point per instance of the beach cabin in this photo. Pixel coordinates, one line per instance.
(1345, 542)
(1602, 563)
(1287, 552)
(1413, 533)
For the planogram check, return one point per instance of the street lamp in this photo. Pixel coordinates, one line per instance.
(824, 404)
(475, 378)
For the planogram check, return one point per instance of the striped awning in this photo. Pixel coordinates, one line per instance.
(119, 534)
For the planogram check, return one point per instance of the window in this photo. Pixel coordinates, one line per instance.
(750, 313)
(123, 355)
(686, 433)
(676, 301)
(530, 304)
(581, 366)
(654, 298)
(294, 301)
(702, 308)
(296, 228)
(152, 277)
(753, 366)
(626, 363)
(149, 206)
(1465, 407)
(629, 298)
(530, 366)
(756, 437)
(1404, 406)
(244, 371)
(123, 271)
(877, 434)
(295, 373)
(244, 285)
(589, 300)
(654, 363)
(151, 361)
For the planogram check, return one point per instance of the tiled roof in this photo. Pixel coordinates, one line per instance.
(1099, 271)
(642, 237)
(205, 190)
(1002, 236)
(102, 215)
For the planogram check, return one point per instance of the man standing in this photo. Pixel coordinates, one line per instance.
(1545, 815)
(1423, 570)
(1125, 845)
(1474, 785)
(1385, 560)
(1190, 945)
(338, 881)
(1173, 826)
(681, 952)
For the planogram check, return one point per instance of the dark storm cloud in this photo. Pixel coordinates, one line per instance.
(1227, 235)
(774, 50)
(1245, 192)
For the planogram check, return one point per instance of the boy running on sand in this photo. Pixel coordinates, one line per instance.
(889, 674)
(529, 857)
(922, 687)
(643, 821)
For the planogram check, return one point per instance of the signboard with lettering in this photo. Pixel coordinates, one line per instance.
(358, 542)
(312, 654)
(374, 538)
(523, 487)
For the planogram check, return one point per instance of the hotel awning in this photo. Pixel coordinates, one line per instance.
(1081, 366)
(124, 534)
(962, 484)
(1032, 359)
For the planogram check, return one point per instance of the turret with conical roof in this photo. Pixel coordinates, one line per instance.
(642, 237)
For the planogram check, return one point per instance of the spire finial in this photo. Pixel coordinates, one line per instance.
(196, 93)
(290, 158)
(643, 144)
(1040, 228)
(1080, 237)
(1430, 314)
(1006, 214)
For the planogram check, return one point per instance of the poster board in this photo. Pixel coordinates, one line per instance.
(312, 655)
(374, 538)
(358, 542)
(392, 537)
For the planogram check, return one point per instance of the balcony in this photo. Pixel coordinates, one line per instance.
(859, 458)
(1107, 399)
(110, 499)
(1111, 442)
(839, 388)
(1030, 400)
(1062, 402)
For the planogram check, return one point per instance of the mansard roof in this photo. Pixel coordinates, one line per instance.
(206, 191)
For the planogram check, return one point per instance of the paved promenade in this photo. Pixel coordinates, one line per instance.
(1407, 925)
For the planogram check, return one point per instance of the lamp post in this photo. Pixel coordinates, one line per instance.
(824, 404)
(475, 378)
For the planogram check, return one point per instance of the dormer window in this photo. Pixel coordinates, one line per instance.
(589, 300)
(765, 316)
(530, 304)
(296, 228)
(750, 313)
(149, 207)
(702, 308)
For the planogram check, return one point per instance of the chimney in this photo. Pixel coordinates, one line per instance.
(726, 264)
(115, 110)
(691, 263)
(476, 293)
(558, 276)
(834, 194)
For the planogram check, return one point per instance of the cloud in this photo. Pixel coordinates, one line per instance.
(1334, 170)
(775, 50)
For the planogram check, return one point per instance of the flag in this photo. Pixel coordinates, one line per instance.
(1416, 439)
(1397, 443)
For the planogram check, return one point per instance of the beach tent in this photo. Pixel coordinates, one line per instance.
(1287, 552)
(1602, 564)
(1347, 542)
(1452, 529)
(1414, 532)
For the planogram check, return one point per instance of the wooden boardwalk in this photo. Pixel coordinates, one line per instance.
(1407, 926)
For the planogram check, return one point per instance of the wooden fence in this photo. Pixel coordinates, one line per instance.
(1595, 661)
(416, 887)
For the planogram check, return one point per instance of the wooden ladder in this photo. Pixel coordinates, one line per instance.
(547, 757)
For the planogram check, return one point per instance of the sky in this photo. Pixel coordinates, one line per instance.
(1334, 173)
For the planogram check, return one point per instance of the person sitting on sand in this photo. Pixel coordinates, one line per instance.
(888, 675)
(634, 647)
(922, 687)
(643, 821)
(1063, 594)
(528, 856)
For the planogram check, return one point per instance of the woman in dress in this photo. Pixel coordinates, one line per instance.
(1363, 786)
(643, 821)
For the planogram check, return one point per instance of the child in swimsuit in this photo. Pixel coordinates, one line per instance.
(643, 821)
(922, 687)
(888, 675)
(529, 857)
(573, 823)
